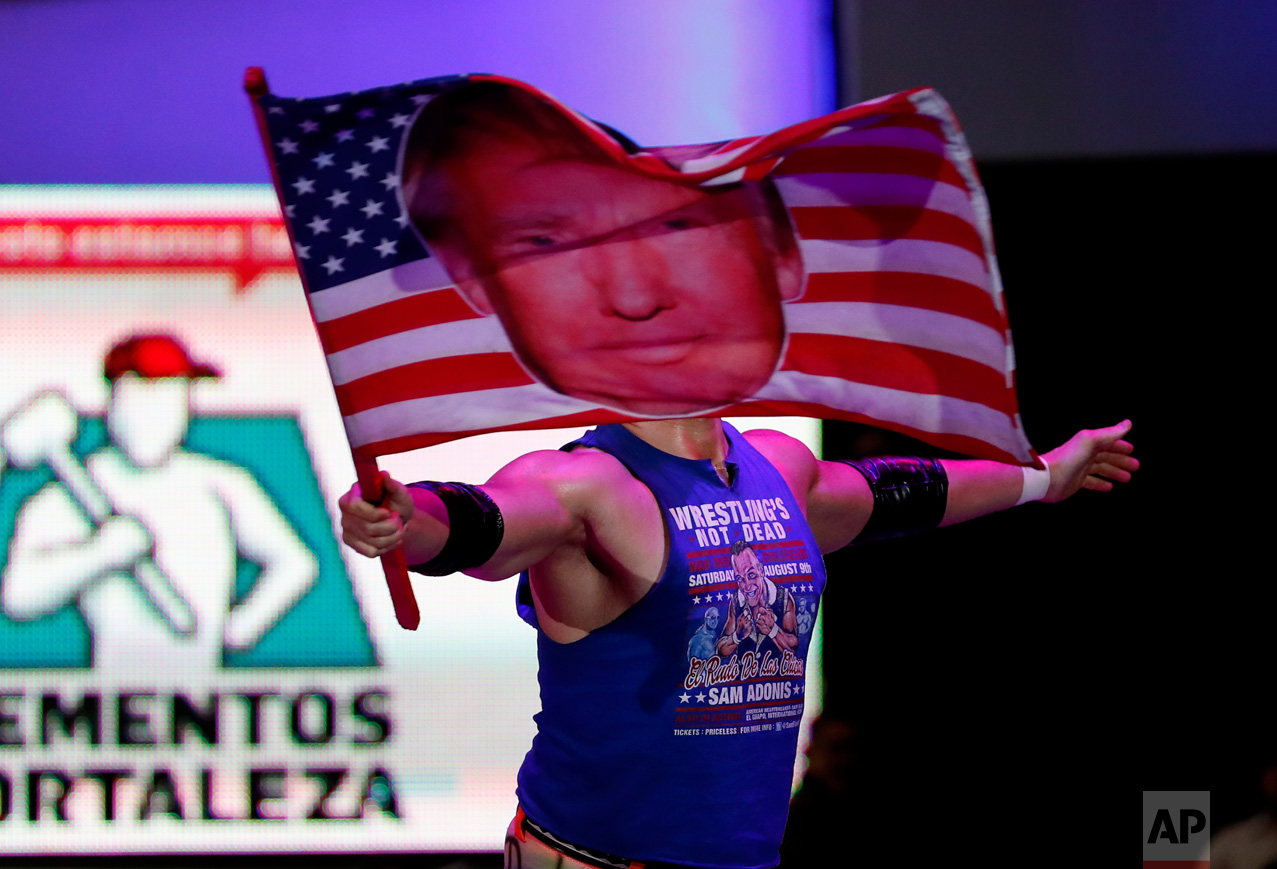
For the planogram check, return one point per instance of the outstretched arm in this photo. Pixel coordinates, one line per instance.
(840, 501)
(550, 501)
(589, 532)
(535, 514)
(1091, 459)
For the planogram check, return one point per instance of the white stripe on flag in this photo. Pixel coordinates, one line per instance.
(939, 414)
(821, 256)
(713, 161)
(461, 411)
(729, 178)
(419, 276)
(914, 327)
(825, 190)
(459, 338)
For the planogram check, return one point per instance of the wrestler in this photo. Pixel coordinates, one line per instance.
(604, 581)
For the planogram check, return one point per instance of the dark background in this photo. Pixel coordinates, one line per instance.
(1013, 682)
(1035, 666)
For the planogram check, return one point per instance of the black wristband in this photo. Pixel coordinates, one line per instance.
(909, 496)
(475, 528)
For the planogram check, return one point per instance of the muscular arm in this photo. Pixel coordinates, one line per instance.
(590, 534)
(839, 501)
(542, 498)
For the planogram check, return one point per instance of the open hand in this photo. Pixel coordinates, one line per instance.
(1091, 459)
(372, 529)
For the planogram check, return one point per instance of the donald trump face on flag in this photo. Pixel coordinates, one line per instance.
(640, 294)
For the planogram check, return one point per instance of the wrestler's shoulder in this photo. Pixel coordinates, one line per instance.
(782, 450)
(583, 471)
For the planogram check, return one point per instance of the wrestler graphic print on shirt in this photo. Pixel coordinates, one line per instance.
(752, 600)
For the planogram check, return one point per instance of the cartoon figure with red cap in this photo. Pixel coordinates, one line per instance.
(144, 535)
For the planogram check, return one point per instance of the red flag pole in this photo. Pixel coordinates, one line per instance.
(392, 564)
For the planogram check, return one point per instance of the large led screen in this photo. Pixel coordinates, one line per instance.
(189, 660)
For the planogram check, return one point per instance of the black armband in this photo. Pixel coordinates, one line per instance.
(475, 528)
(909, 496)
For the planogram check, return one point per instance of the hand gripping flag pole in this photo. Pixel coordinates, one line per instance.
(393, 564)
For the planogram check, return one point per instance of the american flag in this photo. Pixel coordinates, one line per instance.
(901, 323)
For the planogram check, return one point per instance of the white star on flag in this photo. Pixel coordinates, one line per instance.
(288, 146)
(303, 250)
(390, 181)
(357, 170)
(332, 107)
(309, 126)
(323, 161)
(386, 248)
(319, 225)
(400, 121)
(333, 264)
(304, 185)
(372, 209)
(353, 236)
(345, 135)
(379, 143)
(339, 197)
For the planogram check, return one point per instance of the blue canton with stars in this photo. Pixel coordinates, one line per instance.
(336, 159)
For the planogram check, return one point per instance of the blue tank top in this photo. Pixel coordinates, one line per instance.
(670, 733)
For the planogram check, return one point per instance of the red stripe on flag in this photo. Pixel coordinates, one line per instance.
(732, 144)
(431, 377)
(401, 315)
(761, 169)
(886, 223)
(931, 292)
(871, 158)
(899, 367)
